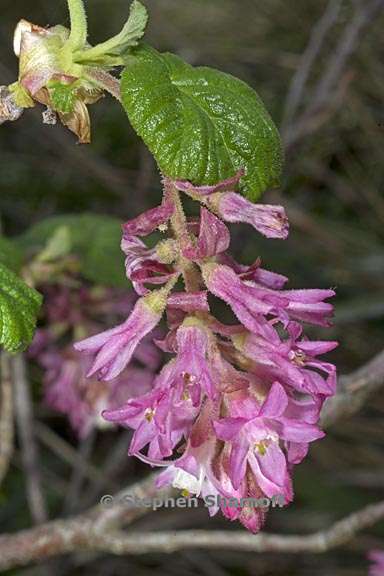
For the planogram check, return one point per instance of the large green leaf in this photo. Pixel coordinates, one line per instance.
(201, 124)
(19, 306)
(95, 239)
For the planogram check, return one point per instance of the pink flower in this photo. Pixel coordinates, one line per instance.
(160, 418)
(223, 186)
(290, 361)
(213, 238)
(255, 437)
(271, 221)
(114, 348)
(164, 415)
(255, 273)
(67, 389)
(149, 221)
(203, 471)
(251, 301)
(143, 265)
(377, 559)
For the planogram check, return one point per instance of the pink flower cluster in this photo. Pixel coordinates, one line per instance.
(239, 402)
(66, 314)
(377, 559)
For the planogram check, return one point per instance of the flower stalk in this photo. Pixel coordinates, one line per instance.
(191, 274)
(79, 29)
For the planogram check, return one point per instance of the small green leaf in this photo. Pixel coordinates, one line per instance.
(110, 51)
(63, 97)
(19, 307)
(94, 239)
(201, 124)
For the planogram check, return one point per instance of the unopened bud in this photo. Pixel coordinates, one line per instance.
(61, 70)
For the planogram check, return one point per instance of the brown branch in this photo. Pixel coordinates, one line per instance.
(354, 390)
(90, 533)
(6, 415)
(83, 532)
(340, 533)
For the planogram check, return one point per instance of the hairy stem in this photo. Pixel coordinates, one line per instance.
(191, 274)
(78, 36)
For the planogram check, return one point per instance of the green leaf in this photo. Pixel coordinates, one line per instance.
(105, 53)
(94, 239)
(201, 124)
(19, 307)
(10, 254)
(63, 97)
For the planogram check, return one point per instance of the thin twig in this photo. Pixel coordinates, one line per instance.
(6, 415)
(66, 452)
(354, 390)
(315, 44)
(111, 467)
(71, 501)
(364, 14)
(327, 93)
(25, 426)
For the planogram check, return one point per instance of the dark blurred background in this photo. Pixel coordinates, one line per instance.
(318, 66)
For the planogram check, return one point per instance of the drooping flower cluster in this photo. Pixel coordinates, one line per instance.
(240, 402)
(67, 314)
(377, 559)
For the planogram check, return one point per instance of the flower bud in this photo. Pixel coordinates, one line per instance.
(60, 69)
(48, 75)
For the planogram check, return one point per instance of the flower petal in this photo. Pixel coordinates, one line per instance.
(271, 221)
